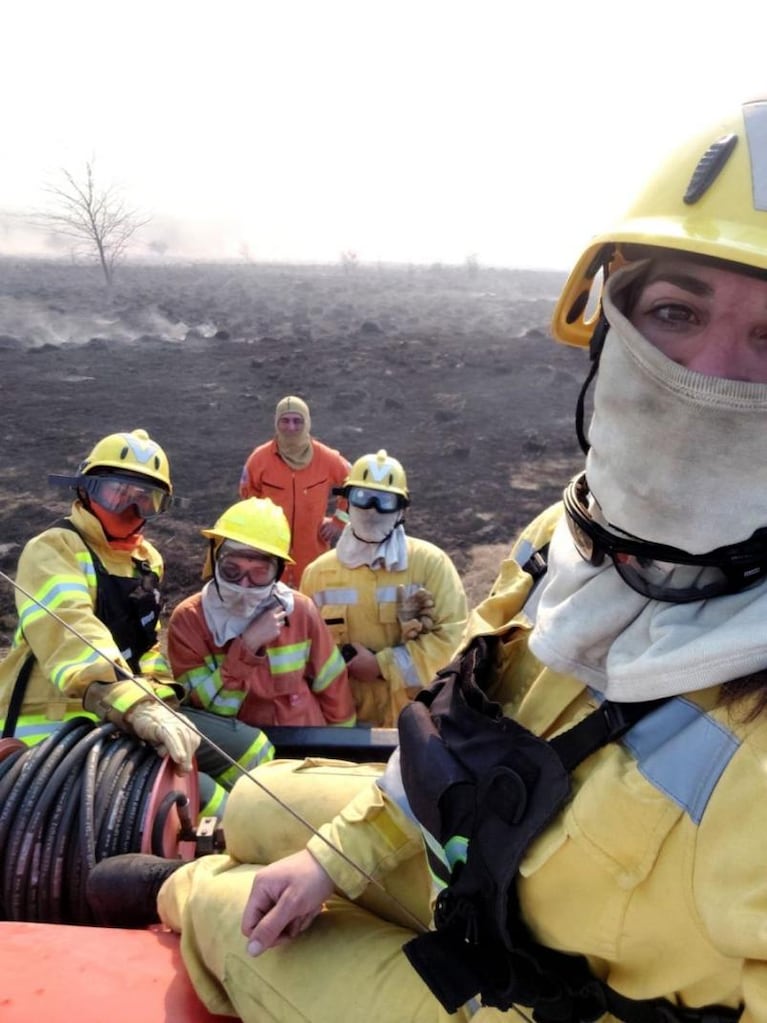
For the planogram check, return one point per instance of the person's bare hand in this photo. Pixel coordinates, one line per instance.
(329, 531)
(264, 629)
(284, 899)
(364, 666)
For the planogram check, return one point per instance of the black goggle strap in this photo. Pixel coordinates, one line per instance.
(742, 564)
(596, 344)
(215, 553)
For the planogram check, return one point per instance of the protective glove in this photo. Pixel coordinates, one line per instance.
(415, 613)
(170, 735)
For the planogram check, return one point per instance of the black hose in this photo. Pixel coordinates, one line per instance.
(170, 800)
(78, 797)
(24, 846)
(30, 809)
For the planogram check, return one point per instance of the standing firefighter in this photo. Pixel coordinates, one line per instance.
(394, 603)
(95, 571)
(298, 473)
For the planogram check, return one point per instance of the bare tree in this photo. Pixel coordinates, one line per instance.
(97, 218)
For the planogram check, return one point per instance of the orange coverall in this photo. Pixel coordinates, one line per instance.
(303, 495)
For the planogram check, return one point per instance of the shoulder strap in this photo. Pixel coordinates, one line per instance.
(17, 695)
(537, 564)
(605, 724)
(97, 563)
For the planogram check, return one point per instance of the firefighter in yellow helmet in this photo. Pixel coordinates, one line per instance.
(249, 649)
(599, 848)
(99, 575)
(395, 604)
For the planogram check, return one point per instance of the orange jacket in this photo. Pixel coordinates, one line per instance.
(303, 495)
(299, 680)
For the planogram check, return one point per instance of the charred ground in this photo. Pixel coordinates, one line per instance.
(450, 369)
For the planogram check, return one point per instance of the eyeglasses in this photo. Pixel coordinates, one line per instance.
(118, 493)
(234, 567)
(661, 572)
(382, 500)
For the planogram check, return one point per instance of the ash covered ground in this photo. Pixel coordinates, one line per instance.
(452, 370)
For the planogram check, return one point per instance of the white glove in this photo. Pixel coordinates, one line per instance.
(170, 734)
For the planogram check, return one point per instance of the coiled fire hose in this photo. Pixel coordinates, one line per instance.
(85, 793)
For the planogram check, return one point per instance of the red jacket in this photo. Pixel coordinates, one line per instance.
(303, 494)
(300, 679)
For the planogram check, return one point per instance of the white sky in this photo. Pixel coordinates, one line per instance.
(422, 131)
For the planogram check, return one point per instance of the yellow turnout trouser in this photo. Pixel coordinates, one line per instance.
(348, 966)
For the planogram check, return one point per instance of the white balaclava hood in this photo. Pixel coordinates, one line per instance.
(676, 457)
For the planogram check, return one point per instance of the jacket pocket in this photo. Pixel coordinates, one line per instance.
(580, 875)
(334, 616)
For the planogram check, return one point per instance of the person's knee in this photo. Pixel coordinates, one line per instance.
(259, 829)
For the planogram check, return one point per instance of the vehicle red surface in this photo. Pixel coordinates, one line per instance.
(64, 974)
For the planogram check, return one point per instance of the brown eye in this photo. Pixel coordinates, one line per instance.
(673, 313)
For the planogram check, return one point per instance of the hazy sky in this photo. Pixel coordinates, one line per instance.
(421, 131)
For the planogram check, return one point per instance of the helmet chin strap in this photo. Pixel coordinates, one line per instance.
(596, 344)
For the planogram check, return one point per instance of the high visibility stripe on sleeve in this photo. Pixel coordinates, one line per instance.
(63, 672)
(329, 672)
(153, 663)
(404, 662)
(259, 751)
(206, 684)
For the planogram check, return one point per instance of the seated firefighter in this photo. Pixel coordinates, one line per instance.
(394, 603)
(597, 831)
(89, 603)
(247, 647)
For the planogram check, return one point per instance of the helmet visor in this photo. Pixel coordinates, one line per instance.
(382, 500)
(658, 571)
(118, 493)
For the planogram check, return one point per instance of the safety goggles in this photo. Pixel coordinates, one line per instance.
(658, 571)
(382, 500)
(118, 493)
(236, 566)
